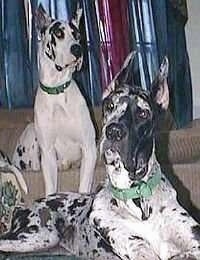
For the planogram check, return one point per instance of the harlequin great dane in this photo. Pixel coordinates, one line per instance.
(62, 131)
(136, 214)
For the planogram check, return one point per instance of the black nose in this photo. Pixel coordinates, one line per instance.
(76, 50)
(115, 132)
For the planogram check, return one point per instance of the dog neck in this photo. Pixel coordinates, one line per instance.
(135, 198)
(48, 74)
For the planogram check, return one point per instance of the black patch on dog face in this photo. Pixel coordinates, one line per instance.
(57, 30)
(130, 128)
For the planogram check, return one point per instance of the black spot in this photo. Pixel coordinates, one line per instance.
(54, 204)
(105, 245)
(114, 202)
(87, 240)
(54, 27)
(196, 231)
(96, 234)
(29, 163)
(95, 252)
(135, 238)
(97, 221)
(163, 179)
(76, 204)
(72, 220)
(40, 200)
(22, 165)
(19, 224)
(33, 229)
(60, 226)
(162, 209)
(185, 214)
(19, 151)
(53, 40)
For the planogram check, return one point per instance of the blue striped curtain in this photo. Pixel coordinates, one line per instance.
(158, 27)
(18, 65)
(16, 89)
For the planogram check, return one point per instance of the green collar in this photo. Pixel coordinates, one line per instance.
(141, 190)
(55, 90)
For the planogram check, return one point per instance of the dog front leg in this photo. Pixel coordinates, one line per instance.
(88, 162)
(49, 169)
(122, 236)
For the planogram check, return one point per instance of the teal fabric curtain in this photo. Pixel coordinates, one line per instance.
(170, 18)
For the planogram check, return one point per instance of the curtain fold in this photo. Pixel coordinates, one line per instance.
(113, 30)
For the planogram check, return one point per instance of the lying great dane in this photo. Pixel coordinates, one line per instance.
(62, 132)
(136, 214)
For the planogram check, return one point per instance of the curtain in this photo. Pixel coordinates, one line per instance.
(16, 89)
(170, 18)
(114, 37)
(110, 29)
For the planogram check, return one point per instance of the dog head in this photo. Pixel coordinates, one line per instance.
(60, 41)
(129, 115)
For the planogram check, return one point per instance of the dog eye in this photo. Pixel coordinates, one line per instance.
(59, 33)
(143, 113)
(110, 106)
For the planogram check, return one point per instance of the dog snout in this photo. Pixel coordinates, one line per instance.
(115, 132)
(131, 167)
(76, 50)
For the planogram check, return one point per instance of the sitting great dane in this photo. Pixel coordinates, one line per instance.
(136, 214)
(62, 132)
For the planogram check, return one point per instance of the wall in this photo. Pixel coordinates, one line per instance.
(193, 45)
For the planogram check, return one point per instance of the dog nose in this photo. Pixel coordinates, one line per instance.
(114, 132)
(76, 50)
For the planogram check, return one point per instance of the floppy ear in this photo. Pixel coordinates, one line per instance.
(77, 17)
(159, 87)
(42, 19)
(123, 76)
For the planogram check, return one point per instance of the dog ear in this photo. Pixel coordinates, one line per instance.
(123, 76)
(77, 17)
(42, 19)
(159, 87)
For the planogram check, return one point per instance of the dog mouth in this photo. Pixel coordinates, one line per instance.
(74, 63)
(112, 158)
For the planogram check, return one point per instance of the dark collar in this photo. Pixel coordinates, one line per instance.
(55, 90)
